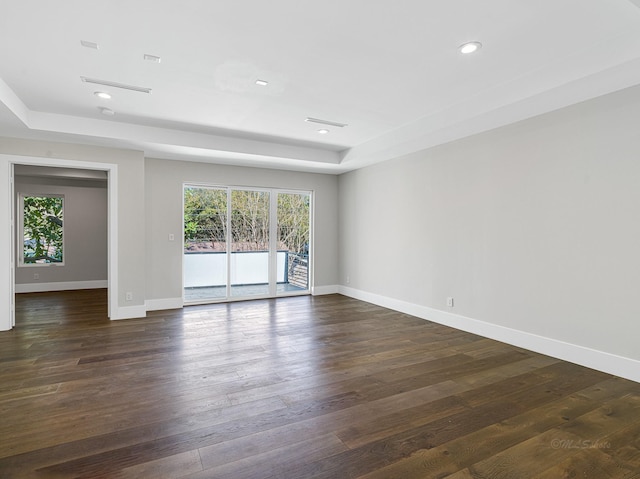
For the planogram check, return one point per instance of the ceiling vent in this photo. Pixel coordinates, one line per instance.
(116, 85)
(152, 58)
(88, 44)
(326, 122)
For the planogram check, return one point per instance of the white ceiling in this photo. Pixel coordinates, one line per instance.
(388, 69)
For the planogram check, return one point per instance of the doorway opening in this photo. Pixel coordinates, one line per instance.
(61, 229)
(8, 241)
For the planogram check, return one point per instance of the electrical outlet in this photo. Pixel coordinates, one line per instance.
(450, 302)
(128, 296)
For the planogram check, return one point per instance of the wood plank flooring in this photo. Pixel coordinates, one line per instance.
(302, 387)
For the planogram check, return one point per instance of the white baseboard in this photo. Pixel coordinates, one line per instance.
(177, 303)
(165, 303)
(60, 286)
(321, 290)
(129, 312)
(602, 361)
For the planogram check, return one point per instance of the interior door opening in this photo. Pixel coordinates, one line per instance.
(8, 205)
(61, 233)
(244, 243)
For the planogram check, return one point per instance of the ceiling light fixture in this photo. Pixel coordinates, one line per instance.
(87, 44)
(325, 122)
(470, 47)
(115, 85)
(262, 82)
(323, 131)
(107, 111)
(102, 94)
(151, 58)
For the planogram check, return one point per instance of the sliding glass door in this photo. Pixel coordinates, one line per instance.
(294, 221)
(249, 272)
(245, 243)
(205, 244)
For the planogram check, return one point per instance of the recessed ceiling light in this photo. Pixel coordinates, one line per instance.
(87, 44)
(262, 82)
(107, 111)
(323, 131)
(151, 58)
(102, 94)
(470, 47)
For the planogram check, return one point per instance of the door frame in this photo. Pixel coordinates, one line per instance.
(7, 236)
(273, 241)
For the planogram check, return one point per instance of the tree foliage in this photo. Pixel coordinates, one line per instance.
(293, 222)
(249, 220)
(205, 213)
(42, 228)
(205, 225)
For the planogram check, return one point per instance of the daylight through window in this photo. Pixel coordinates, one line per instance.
(42, 229)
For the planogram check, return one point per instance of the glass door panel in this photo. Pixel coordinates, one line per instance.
(293, 212)
(249, 267)
(205, 244)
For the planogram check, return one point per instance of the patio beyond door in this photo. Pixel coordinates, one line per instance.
(245, 243)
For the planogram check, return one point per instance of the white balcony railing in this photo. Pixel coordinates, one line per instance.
(207, 269)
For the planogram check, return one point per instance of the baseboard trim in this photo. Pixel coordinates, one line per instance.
(322, 290)
(165, 303)
(60, 286)
(129, 312)
(602, 361)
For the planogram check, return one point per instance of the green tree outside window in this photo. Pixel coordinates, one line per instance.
(42, 226)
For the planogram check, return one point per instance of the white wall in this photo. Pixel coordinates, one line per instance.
(533, 229)
(164, 182)
(150, 267)
(85, 232)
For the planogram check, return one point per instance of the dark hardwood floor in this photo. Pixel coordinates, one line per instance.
(303, 387)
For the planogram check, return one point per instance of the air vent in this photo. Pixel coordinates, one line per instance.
(152, 58)
(326, 122)
(116, 85)
(88, 44)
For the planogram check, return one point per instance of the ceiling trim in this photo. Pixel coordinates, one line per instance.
(457, 122)
(163, 140)
(14, 103)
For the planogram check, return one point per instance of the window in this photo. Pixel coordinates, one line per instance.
(41, 228)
